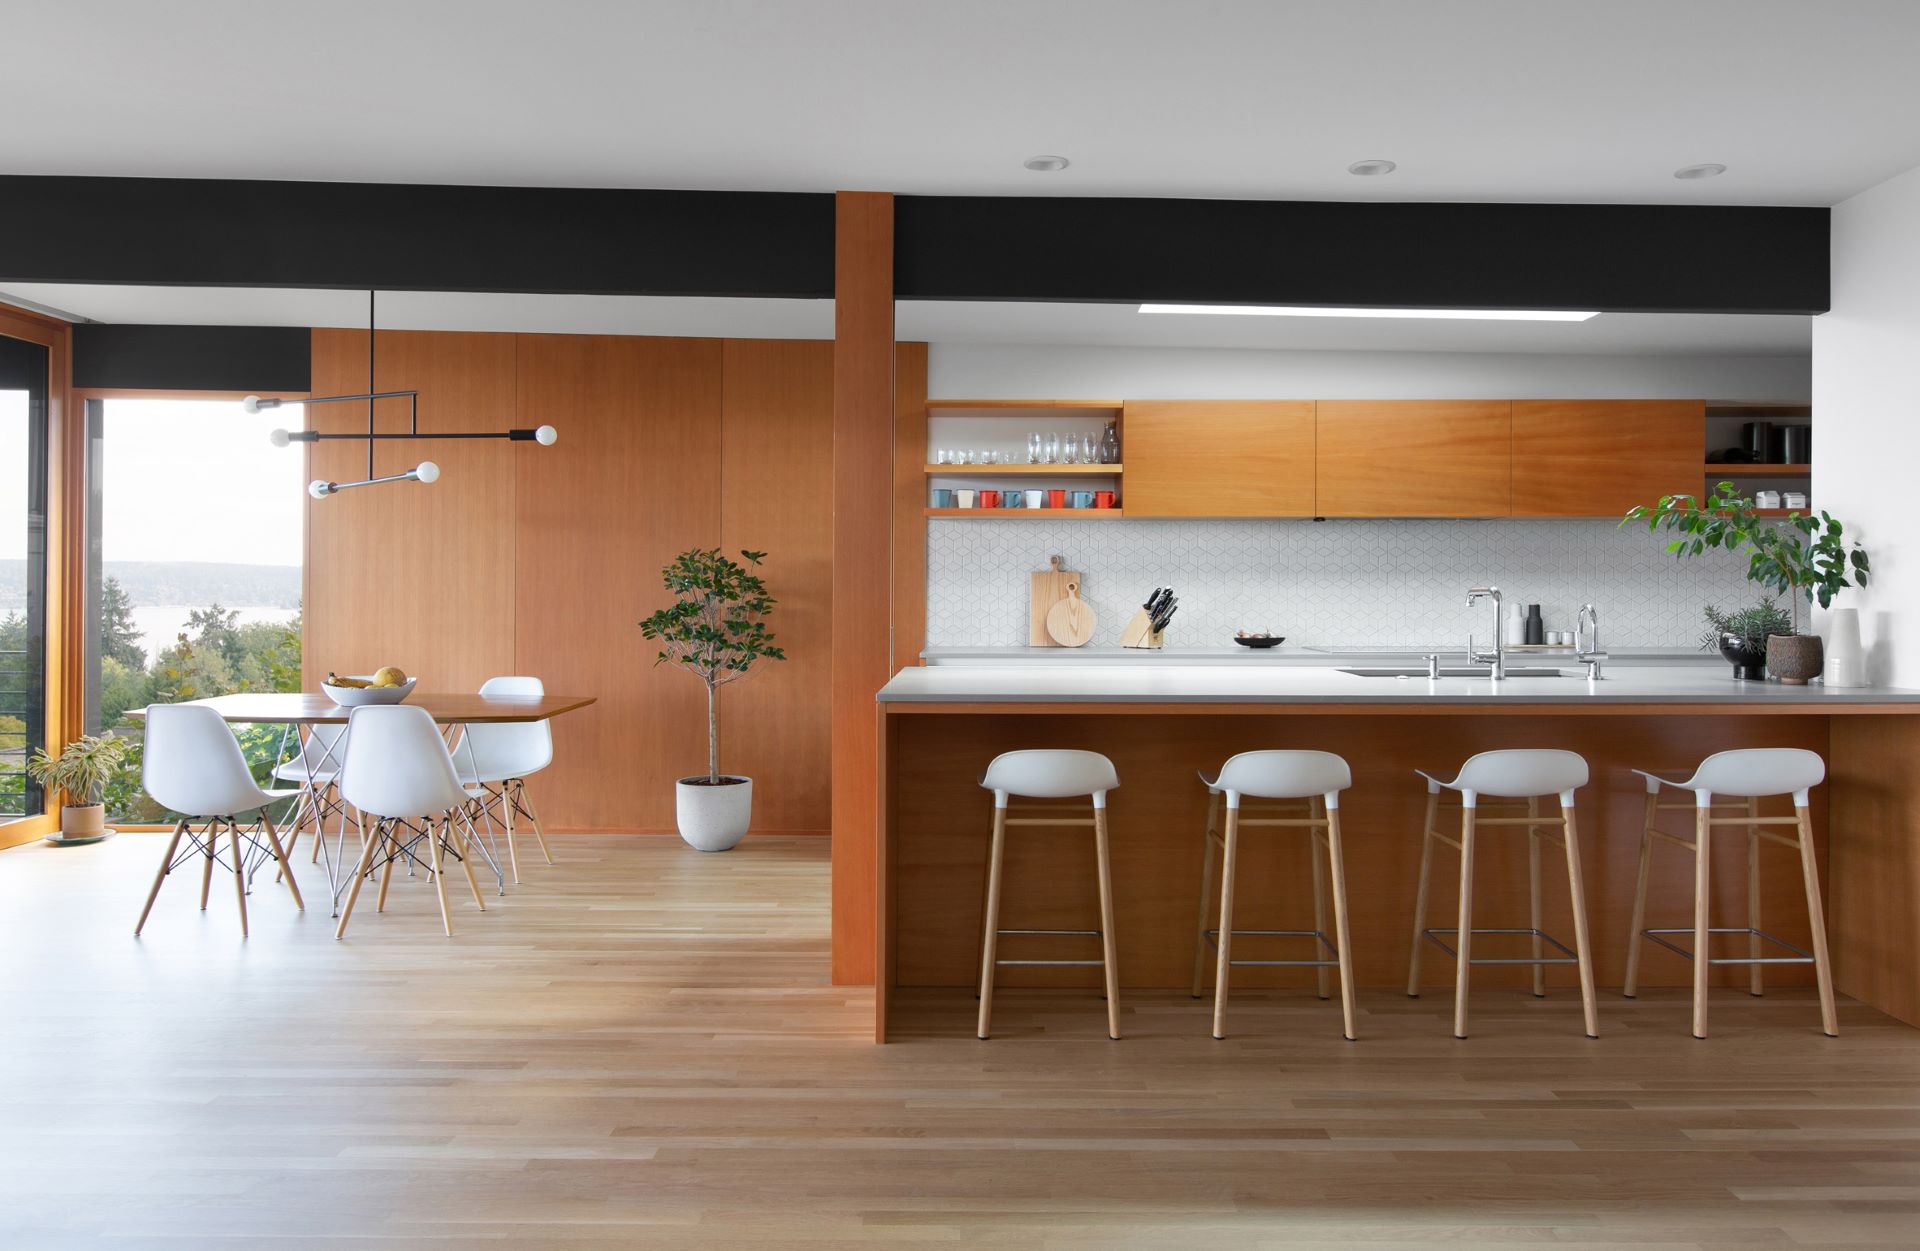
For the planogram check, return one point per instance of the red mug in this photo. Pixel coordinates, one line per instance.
(1103, 499)
(989, 499)
(1057, 499)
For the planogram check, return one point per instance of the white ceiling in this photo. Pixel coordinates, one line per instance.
(1522, 100)
(931, 321)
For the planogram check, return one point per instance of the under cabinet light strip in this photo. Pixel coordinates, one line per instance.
(1304, 310)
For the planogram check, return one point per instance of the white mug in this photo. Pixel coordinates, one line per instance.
(1036, 499)
(964, 498)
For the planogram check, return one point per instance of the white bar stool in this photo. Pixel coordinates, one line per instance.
(1303, 788)
(1528, 774)
(1055, 774)
(1749, 774)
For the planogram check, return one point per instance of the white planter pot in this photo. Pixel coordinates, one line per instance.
(713, 818)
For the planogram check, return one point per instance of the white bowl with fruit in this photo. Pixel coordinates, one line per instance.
(388, 686)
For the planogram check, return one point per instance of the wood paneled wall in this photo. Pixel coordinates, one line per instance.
(526, 559)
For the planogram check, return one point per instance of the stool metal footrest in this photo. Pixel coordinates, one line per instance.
(1052, 963)
(1569, 958)
(1213, 937)
(1800, 956)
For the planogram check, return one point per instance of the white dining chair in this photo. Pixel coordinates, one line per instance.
(399, 775)
(498, 757)
(315, 775)
(192, 765)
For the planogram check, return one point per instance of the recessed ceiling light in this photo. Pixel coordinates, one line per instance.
(1709, 170)
(1047, 164)
(1371, 169)
(1301, 310)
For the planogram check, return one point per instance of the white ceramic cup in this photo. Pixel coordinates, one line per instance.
(1036, 499)
(964, 498)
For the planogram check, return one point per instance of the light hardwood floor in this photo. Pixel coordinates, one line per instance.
(639, 1048)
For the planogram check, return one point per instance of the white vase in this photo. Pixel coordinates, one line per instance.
(713, 818)
(1846, 665)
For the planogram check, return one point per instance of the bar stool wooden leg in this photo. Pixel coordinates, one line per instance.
(1206, 895)
(990, 941)
(1315, 812)
(1816, 916)
(1754, 984)
(1109, 960)
(1465, 934)
(166, 862)
(1342, 943)
(1702, 896)
(1223, 962)
(1581, 948)
(1533, 888)
(1640, 899)
(239, 874)
(1420, 898)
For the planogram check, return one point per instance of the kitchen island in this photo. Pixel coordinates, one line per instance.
(1161, 724)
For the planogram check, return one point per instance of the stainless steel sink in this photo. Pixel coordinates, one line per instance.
(1478, 671)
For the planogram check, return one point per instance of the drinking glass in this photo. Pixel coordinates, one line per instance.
(1033, 448)
(1050, 450)
(1089, 449)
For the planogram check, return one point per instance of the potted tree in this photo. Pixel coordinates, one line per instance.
(80, 772)
(1804, 557)
(716, 630)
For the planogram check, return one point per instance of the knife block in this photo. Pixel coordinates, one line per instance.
(1141, 634)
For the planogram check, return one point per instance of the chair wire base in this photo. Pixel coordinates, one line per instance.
(1433, 936)
(1800, 956)
(1213, 939)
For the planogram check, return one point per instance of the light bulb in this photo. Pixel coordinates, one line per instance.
(546, 436)
(250, 405)
(319, 488)
(427, 471)
(278, 438)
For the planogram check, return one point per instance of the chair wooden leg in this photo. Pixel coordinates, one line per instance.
(1337, 868)
(1223, 961)
(439, 877)
(1816, 917)
(1206, 895)
(212, 833)
(1420, 899)
(1634, 938)
(1702, 898)
(359, 872)
(1319, 892)
(990, 939)
(1755, 986)
(1109, 954)
(239, 874)
(166, 862)
(533, 814)
(464, 850)
(1465, 934)
(1582, 947)
(386, 872)
(320, 825)
(1533, 898)
(280, 854)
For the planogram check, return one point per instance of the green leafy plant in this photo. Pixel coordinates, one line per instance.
(715, 629)
(1752, 624)
(82, 769)
(1803, 557)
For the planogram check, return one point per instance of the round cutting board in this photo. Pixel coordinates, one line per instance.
(1070, 622)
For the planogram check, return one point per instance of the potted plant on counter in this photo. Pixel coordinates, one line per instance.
(716, 630)
(1742, 635)
(1804, 557)
(80, 772)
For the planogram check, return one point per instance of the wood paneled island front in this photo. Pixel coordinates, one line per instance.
(1162, 724)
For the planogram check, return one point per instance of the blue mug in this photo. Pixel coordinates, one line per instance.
(1010, 499)
(1083, 499)
(942, 498)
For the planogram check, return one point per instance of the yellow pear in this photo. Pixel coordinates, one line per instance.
(390, 675)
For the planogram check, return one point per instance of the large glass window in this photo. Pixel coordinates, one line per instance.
(23, 571)
(194, 562)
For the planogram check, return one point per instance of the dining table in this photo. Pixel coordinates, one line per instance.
(320, 757)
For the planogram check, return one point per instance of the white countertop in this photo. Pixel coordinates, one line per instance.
(1310, 655)
(1088, 683)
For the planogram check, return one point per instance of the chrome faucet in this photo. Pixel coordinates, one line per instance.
(1586, 641)
(1498, 657)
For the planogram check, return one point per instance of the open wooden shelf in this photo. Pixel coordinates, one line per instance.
(1042, 471)
(1028, 514)
(1025, 405)
(1759, 471)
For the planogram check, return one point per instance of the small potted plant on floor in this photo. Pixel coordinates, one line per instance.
(1742, 635)
(716, 630)
(1803, 556)
(81, 773)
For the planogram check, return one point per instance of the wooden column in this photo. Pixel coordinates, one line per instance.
(863, 358)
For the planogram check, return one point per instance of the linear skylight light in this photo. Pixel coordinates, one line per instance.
(1302, 310)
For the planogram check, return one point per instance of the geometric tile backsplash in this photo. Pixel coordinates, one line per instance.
(1390, 583)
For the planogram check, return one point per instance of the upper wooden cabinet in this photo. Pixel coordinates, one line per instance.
(1598, 458)
(1218, 458)
(1413, 458)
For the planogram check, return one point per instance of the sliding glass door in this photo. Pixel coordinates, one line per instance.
(24, 370)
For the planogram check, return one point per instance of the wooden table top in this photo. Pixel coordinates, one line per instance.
(313, 708)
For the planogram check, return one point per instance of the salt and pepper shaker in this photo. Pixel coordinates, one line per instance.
(1536, 628)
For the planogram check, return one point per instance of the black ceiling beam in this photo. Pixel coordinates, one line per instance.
(214, 232)
(1608, 258)
(192, 358)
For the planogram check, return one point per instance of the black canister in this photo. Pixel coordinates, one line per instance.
(1756, 437)
(1536, 628)
(1797, 445)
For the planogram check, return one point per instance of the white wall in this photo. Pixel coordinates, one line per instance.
(1866, 394)
(1024, 371)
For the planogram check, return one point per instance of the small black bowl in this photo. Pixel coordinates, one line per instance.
(1749, 659)
(1271, 640)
